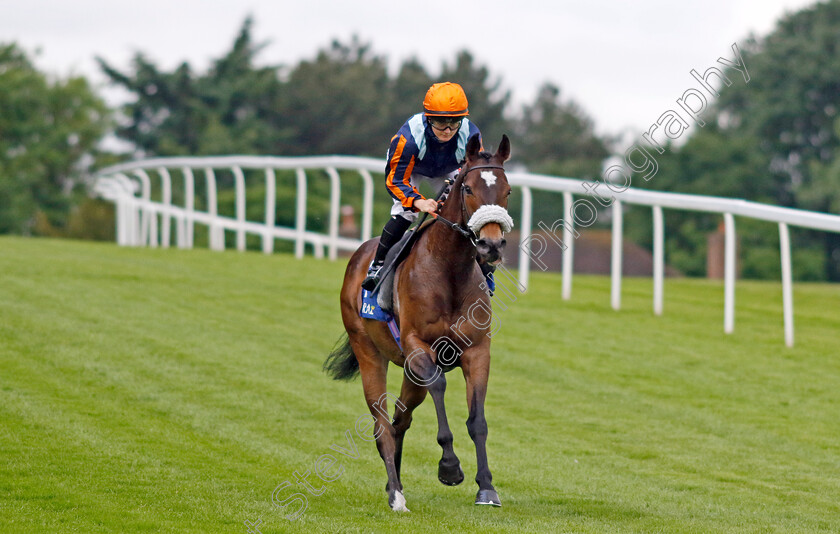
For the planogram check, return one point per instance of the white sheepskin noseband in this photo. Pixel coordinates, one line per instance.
(490, 213)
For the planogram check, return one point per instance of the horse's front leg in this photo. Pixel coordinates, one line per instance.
(422, 370)
(475, 364)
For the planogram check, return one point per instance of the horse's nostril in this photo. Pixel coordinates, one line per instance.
(504, 242)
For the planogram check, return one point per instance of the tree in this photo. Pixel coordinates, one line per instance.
(790, 107)
(775, 139)
(488, 100)
(47, 127)
(235, 107)
(824, 190)
(717, 163)
(339, 102)
(407, 92)
(559, 138)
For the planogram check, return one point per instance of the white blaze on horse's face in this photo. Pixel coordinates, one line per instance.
(489, 177)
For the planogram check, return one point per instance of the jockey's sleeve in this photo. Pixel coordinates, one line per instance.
(401, 157)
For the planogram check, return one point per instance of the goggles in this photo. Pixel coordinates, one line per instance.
(441, 123)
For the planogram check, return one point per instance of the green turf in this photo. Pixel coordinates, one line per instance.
(171, 391)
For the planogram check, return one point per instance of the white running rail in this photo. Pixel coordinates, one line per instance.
(142, 221)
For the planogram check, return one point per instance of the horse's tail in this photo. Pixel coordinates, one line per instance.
(342, 364)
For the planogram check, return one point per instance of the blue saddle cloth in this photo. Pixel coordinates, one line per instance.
(371, 310)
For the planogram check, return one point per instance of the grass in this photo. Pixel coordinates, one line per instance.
(172, 391)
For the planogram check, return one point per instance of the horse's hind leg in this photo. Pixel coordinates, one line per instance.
(374, 371)
(426, 372)
(412, 396)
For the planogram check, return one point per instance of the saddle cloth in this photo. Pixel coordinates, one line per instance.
(371, 310)
(395, 256)
(378, 304)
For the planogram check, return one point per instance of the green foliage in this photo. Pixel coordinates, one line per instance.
(824, 190)
(92, 219)
(338, 103)
(343, 101)
(808, 264)
(729, 163)
(47, 127)
(488, 100)
(558, 138)
(713, 163)
(235, 108)
(760, 263)
(790, 104)
(790, 110)
(776, 140)
(408, 89)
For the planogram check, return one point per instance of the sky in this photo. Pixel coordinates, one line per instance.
(625, 63)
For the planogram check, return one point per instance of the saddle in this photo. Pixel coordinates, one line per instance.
(395, 256)
(378, 304)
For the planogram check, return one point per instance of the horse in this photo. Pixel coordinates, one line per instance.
(439, 296)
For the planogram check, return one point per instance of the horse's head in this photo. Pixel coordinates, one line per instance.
(484, 192)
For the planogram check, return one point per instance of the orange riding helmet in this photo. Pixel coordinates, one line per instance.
(446, 100)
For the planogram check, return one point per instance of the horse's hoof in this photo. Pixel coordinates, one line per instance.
(450, 475)
(397, 502)
(488, 496)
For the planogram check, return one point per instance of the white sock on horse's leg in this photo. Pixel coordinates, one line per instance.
(399, 503)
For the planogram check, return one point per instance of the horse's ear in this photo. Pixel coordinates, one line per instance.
(473, 147)
(504, 148)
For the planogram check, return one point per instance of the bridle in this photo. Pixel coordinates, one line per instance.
(466, 232)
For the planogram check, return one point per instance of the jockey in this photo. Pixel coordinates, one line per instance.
(430, 146)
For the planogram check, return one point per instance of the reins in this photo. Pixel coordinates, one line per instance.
(465, 232)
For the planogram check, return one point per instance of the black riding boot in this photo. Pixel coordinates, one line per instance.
(393, 231)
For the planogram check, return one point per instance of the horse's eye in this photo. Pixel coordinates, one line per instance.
(467, 190)
(508, 193)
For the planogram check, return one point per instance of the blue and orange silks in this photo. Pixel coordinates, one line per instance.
(416, 150)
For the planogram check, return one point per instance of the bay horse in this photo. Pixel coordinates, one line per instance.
(437, 296)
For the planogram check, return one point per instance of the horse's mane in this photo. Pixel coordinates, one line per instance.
(422, 228)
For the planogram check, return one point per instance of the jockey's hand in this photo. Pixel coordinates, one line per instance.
(426, 204)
